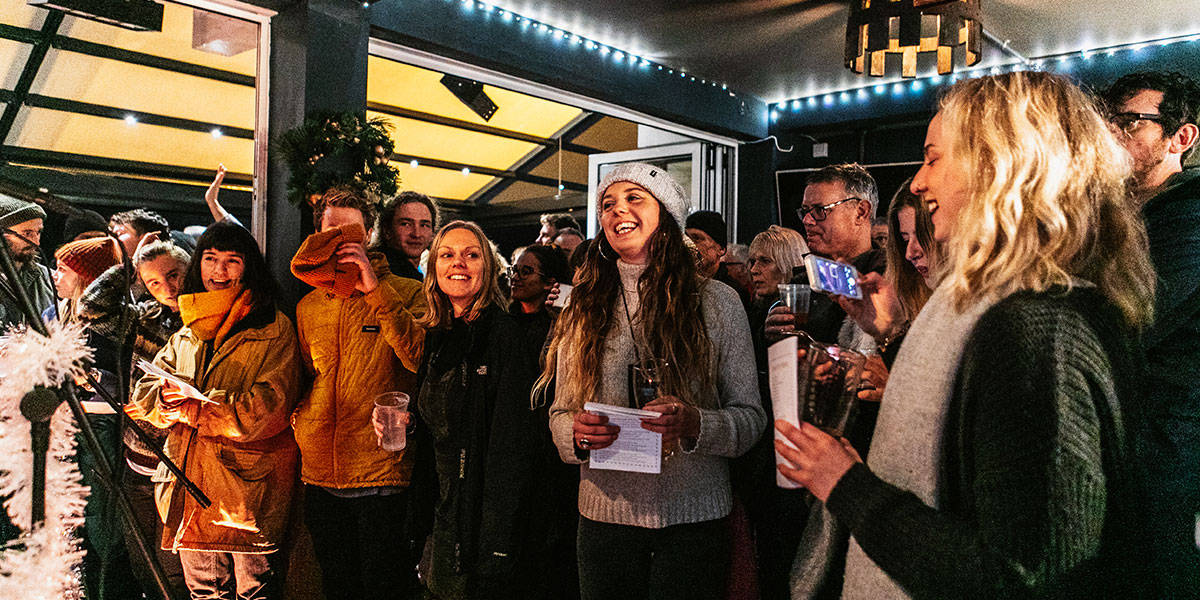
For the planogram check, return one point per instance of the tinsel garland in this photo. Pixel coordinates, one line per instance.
(331, 148)
(43, 564)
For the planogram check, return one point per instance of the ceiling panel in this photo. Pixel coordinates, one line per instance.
(440, 183)
(398, 84)
(19, 14)
(58, 131)
(123, 85)
(522, 190)
(14, 55)
(417, 138)
(174, 41)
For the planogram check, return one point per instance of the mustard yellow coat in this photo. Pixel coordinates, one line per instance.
(354, 349)
(238, 450)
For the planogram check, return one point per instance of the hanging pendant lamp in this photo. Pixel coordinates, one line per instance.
(907, 27)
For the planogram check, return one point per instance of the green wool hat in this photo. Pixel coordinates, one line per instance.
(13, 211)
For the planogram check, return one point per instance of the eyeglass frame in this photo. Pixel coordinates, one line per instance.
(1133, 117)
(512, 272)
(824, 209)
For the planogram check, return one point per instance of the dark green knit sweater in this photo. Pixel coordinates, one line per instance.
(1037, 485)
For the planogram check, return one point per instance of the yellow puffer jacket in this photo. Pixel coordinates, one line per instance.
(238, 450)
(356, 348)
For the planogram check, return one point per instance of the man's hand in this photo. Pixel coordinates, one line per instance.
(355, 253)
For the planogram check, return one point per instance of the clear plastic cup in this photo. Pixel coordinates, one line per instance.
(389, 413)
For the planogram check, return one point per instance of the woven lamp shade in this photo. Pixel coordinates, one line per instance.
(907, 27)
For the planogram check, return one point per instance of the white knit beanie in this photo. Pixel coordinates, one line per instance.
(662, 186)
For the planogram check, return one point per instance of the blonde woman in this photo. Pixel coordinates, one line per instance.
(639, 296)
(491, 531)
(1000, 465)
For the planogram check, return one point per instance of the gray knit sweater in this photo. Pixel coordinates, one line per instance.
(693, 487)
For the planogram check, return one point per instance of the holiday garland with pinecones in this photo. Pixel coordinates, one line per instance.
(332, 148)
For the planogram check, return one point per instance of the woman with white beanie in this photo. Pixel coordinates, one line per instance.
(638, 297)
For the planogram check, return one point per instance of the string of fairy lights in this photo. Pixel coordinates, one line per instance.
(1058, 62)
(617, 55)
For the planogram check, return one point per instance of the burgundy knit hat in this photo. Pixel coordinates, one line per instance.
(89, 257)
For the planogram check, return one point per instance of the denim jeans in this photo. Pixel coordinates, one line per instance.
(218, 575)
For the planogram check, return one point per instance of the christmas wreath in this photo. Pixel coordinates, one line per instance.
(332, 148)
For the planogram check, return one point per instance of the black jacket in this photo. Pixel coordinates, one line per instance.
(478, 432)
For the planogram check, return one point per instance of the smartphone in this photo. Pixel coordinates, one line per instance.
(833, 277)
(564, 292)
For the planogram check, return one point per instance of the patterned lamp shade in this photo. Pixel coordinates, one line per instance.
(908, 27)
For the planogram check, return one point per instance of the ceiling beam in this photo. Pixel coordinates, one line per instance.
(61, 42)
(513, 175)
(33, 64)
(408, 113)
(98, 110)
(541, 156)
(50, 158)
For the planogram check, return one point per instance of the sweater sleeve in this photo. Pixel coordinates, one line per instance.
(736, 425)
(562, 419)
(1026, 487)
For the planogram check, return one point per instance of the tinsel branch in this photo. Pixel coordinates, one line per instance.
(42, 564)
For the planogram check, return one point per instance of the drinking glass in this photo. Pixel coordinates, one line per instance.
(389, 410)
(829, 386)
(796, 296)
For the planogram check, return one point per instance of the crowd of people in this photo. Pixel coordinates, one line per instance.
(1028, 416)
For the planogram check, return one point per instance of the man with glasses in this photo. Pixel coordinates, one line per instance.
(837, 210)
(21, 223)
(1154, 114)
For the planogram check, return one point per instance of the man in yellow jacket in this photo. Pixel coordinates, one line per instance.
(358, 338)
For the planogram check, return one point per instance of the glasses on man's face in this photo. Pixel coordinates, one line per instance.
(522, 271)
(1128, 122)
(820, 212)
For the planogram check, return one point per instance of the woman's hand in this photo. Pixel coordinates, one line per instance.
(677, 421)
(820, 460)
(173, 396)
(355, 253)
(780, 321)
(592, 431)
(874, 379)
(552, 295)
(879, 312)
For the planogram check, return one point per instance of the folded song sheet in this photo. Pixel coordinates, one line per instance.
(636, 449)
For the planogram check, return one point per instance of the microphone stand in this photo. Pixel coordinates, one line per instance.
(40, 433)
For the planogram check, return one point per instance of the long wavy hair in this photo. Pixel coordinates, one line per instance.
(669, 321)
(1047, 199)
(911, 287)
(441, 311)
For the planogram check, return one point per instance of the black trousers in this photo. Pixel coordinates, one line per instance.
(687, 561)
(361, 545)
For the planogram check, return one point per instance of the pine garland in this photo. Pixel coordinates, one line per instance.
(332, 148)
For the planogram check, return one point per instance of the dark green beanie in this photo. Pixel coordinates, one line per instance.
(13, 211)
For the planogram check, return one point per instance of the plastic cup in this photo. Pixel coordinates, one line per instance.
(796, 296)
(389, 412)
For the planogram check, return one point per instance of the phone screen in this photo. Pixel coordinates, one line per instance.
(833, 277)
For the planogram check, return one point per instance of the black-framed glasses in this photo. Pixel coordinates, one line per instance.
(1127, 121)
(521, 271)
(820, 212)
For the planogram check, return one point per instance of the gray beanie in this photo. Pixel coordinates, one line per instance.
(13, 211)
(656, 181)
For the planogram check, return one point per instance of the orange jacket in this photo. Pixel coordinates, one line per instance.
(239, 451)
(356, 348)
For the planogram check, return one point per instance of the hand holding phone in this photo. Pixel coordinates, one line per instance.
(832, 277)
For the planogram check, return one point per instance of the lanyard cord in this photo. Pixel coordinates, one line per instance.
(629, 320)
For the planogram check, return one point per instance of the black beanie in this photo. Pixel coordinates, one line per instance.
(89, 221)
(709, 222)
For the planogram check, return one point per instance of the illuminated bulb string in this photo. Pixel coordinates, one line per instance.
(843, 96)
(618, 55)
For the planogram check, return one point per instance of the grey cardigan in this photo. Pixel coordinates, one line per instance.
(693, 487)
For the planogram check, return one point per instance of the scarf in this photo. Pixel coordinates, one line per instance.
(212, 315)
(315, 263)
